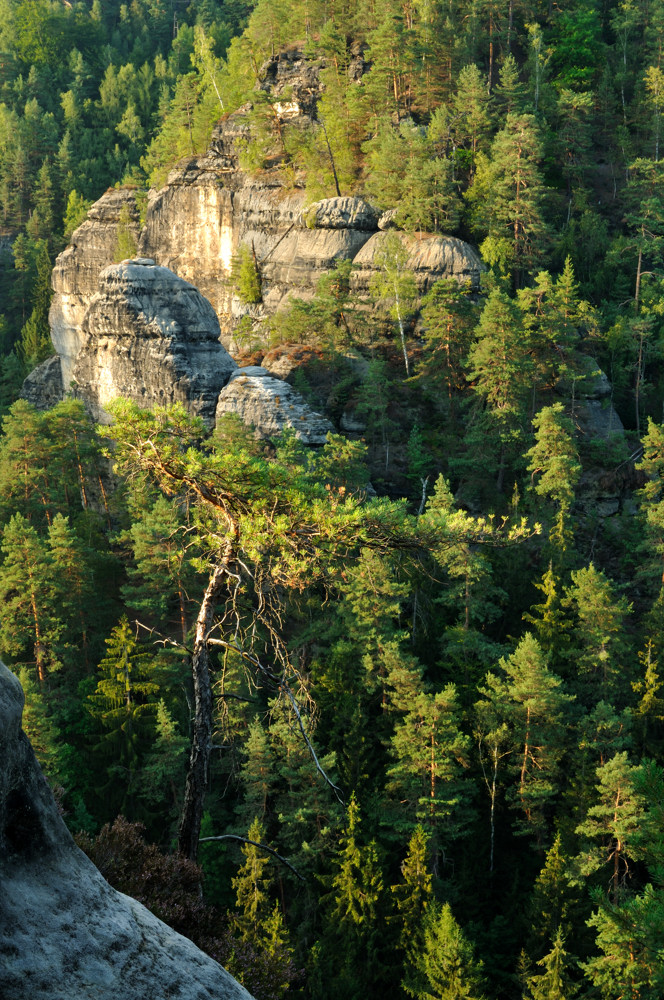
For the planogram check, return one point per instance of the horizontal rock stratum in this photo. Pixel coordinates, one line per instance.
(65, 934)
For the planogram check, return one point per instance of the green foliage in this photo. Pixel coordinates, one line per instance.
(446, 968)
(536, 132)
(126, 246)
(245, 276)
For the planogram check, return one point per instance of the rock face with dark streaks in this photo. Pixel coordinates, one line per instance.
(43, 387)
(151, 337)
(65, 934)
(75, 275)
(122, 329)
(210, 206)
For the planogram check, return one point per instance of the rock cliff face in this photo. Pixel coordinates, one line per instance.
(151, 337)
(65, 934)
(132, 330)
(75, 275)
(271, 406)
(210, 206)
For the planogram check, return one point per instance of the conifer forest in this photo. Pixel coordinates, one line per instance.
(396, 703)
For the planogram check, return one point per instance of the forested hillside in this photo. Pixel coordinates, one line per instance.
(420, 664)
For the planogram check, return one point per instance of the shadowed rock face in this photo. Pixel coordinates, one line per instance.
(43, 387)
(151, 337)
(65, 934)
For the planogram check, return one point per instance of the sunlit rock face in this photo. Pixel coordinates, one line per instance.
(429, 256)
(151, 337)
(270, 406)
(92, 247)
(65, 934)
(110, 342)
(211, 204)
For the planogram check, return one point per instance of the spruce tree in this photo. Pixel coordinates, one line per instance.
(446, 967)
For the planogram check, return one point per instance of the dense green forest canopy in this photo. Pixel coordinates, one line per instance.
(433, 653)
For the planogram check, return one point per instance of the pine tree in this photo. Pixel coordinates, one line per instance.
(245, 276)
(651, 497)
(597, 643)
(426, 777)
(448, 315)
(257, 774)
(25, 467)
(394, 283)
(251, 886)
(552, 899)
(500, 372)
(413, 895)
(124, 705)
(614, 821)
(35, 341)
(554, 459)
(126, 246)
(75, 591)
(29, 625)
(163, 573)
(348, 955)
(530, 700)
(507, 199)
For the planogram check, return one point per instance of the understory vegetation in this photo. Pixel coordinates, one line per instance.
(420, 665)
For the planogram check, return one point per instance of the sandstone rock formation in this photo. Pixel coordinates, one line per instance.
(65, 934)
(270, 406)
(93, 246)
(430, 257)
(43, 387)
(122, 330)
(596, 417)
(151, 337)
(209, 206)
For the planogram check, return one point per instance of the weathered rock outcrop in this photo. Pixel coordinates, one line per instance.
(75, 275)
(65, 934)
(117, 336)
(151, 337)
(596, 418)
(430, 257)
(43, 387)
(209, 206)
(270, 406)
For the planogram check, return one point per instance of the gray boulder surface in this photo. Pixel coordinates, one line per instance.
(342, 213)
(430, 257)
(65, 934)
(43, 387)
(270, 406)
(151, 337)
(91, 248)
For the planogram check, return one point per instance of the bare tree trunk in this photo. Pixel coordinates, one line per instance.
(199, 760)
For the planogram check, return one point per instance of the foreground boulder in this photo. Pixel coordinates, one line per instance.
(65, 934)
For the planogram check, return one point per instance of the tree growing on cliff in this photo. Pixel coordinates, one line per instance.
(245, 276)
